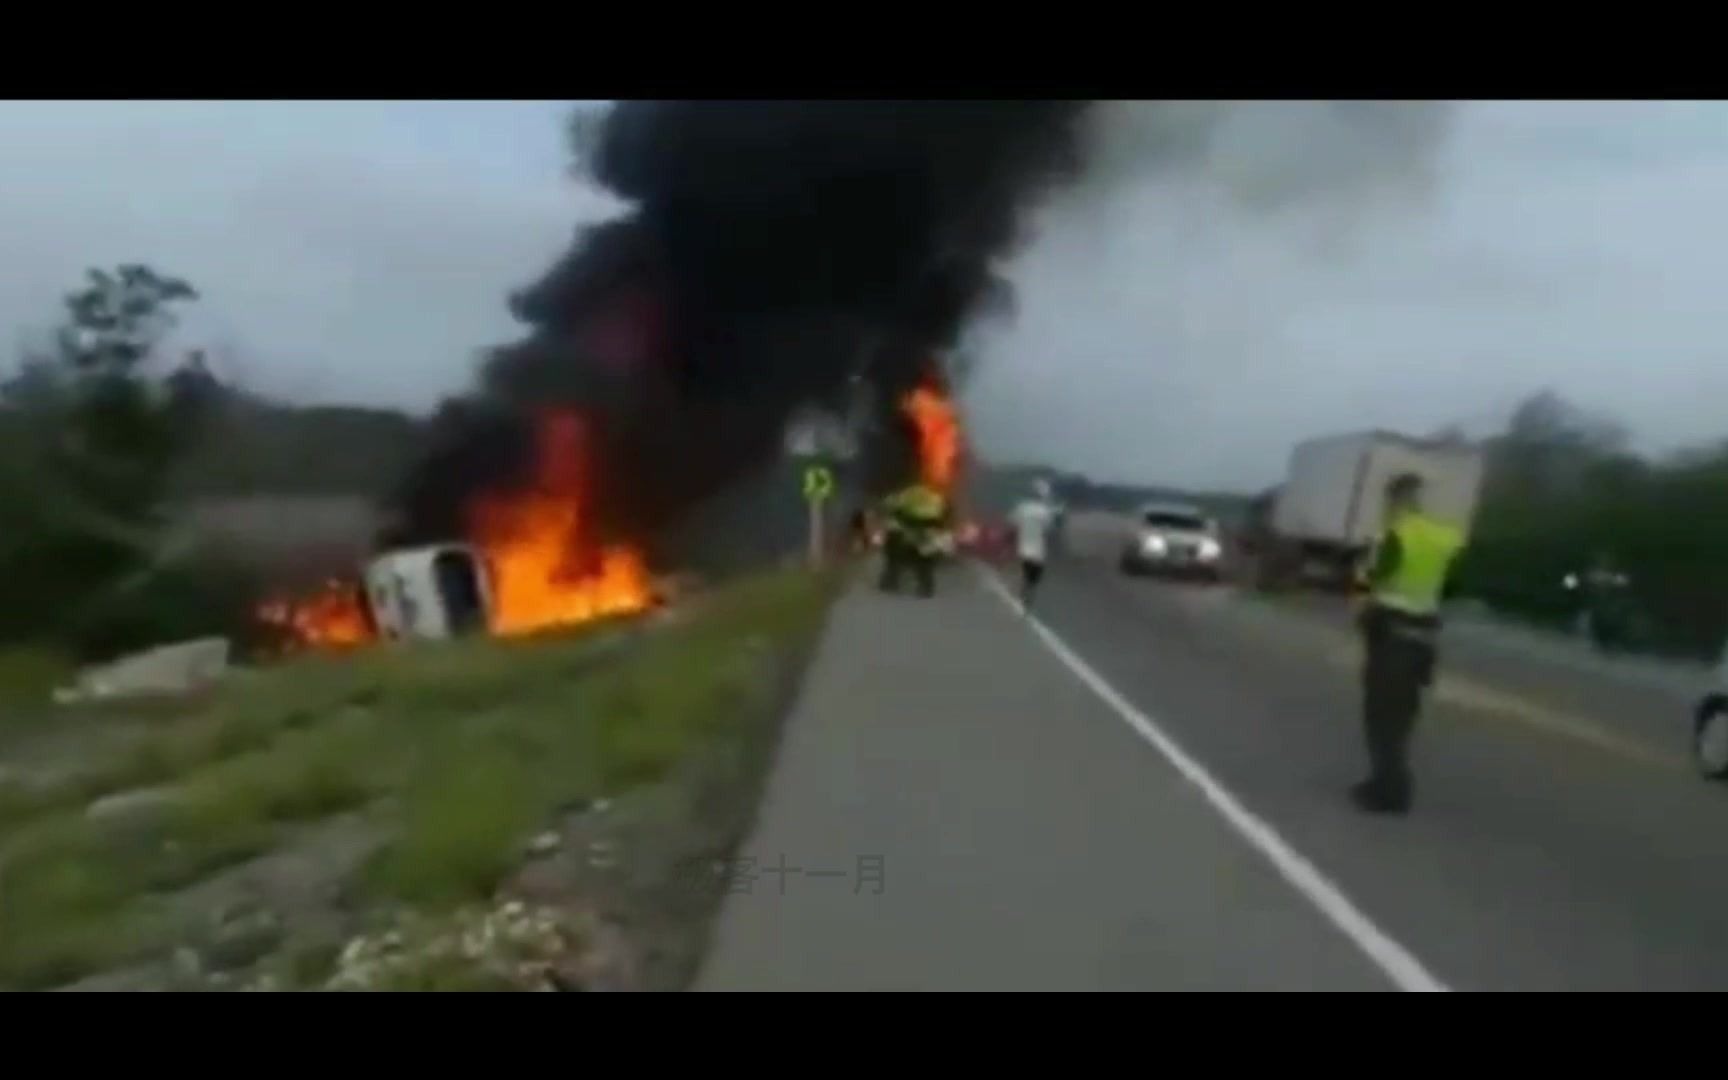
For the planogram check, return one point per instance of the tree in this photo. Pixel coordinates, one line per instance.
(90, 440)
(118, 318)
(121, 441)
(1562, 488)
(1550, 445)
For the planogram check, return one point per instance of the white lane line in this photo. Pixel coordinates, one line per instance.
(1397, 962)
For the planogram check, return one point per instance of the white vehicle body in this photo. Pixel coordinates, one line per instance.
(1334, 492)
(433, 592)
(1174, 538)
(1710, 726)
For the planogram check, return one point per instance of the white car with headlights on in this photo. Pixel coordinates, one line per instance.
(1174, 539)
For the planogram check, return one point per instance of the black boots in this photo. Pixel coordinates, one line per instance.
(1379, 798)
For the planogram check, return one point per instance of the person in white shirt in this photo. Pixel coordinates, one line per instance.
(1034, 520)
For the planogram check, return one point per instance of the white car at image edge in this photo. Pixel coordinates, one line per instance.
(1710, 727)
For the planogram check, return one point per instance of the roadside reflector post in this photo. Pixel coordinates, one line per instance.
(818, 489)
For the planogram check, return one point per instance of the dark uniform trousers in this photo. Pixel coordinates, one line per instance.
(1400, 654)
(906, 546)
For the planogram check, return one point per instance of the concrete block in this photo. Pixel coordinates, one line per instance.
(165, 669)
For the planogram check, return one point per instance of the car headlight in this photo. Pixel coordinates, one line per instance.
(1210, 550)
(1153, 545)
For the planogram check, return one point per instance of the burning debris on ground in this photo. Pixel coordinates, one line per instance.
(332, 616)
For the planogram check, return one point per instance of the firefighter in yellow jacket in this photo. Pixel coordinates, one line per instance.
(1399, 622)
(914, 518)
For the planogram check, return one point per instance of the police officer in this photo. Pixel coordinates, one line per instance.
(1399, 622)
(915, 516)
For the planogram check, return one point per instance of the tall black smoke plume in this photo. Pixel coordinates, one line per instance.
(776, 254)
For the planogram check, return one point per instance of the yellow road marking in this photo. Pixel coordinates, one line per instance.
(1340, 649)
(1486, 700)
(1482, 699)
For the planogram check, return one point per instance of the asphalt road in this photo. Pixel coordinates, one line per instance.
(1560, 839)
(1006, 775)
(951, 809)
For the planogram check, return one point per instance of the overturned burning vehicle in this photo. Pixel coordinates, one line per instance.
(526, 562)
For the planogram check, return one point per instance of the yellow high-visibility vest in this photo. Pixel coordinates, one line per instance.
(917, 503)
(1426, 548)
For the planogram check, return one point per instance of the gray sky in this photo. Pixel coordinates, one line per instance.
(346, 251)
(1166, 336)
(362, 250)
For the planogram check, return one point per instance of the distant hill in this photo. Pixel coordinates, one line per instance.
(994, 488)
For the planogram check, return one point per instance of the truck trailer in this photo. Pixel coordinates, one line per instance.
(1332, 503)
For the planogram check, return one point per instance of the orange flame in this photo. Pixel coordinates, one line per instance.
(937, 423)
(333, 617)
(545, 570)
(538, 552)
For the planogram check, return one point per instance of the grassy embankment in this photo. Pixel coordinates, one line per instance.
(321, 822)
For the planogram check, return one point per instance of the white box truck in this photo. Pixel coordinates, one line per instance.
(1332, 503)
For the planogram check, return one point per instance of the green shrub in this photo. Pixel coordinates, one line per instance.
(29, 675)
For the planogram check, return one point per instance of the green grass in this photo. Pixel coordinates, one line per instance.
(61, 900)
(29, 676)
(125, 745)
(303, 776)
(18, 803)
(461, 821)
(306, 961)
(483, 784)
(461, 750)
